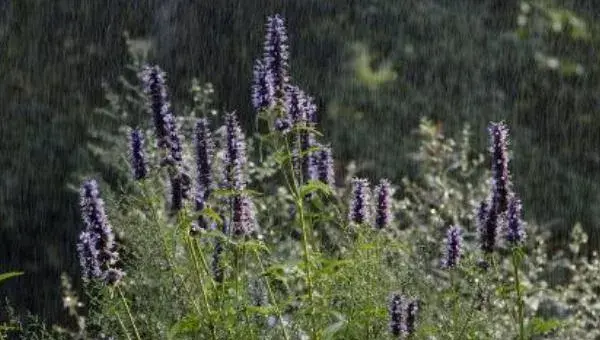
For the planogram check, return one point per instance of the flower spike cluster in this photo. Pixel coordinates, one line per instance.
(383, 213)
(153, 81)
(360, 209)
(96, 246)
(263, 90)
(499, 150)
(515, 233)
(276, 55)
(453, 247)
(493, 213)
(243, 220)
(204, 151)
(323, 165)
(403, 315)
(168, 140)
(137, 155)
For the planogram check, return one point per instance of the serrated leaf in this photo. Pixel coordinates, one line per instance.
(315, 186)
(189, 324)
(541, 326)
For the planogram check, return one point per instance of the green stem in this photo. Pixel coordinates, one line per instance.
(272, 297)
(202, 288)
(137, 334)
(470, 315)
(123, 326)
(305, 246)
(520, 302)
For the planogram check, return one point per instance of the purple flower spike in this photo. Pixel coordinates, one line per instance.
(88, 255)
(311, 110)
(515, 233)
(501, 179)
(204, 151)
(359, 206)
(324, 166)
(263, 90)
(412, 310)
(383, 213)
(153, 80)
(453, 247)
(96, 246)
(276, 54)
(137, 155)
(283, 125)
(235, 154)
(175, 154)
(296, 105)
(243, 215)
(488, 220)
(397, 325)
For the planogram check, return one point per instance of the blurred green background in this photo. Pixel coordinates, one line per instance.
(375, 67)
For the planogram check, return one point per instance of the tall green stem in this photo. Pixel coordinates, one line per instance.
(520, 302)
(272, 297)
(305, 246)
(137, 334)
(202, 288)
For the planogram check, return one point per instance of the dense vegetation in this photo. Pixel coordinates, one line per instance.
(376, 69)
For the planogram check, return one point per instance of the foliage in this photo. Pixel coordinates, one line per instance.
(375, 66)
(307, 272)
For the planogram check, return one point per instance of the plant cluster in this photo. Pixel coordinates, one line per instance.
(210, 245)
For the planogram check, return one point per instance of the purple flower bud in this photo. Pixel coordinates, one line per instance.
(153, 80)
(383, 213)
(515, 233)
(243, 215)
(501, 180)
(263, 90)
(204, 152)
(235, 154)
(137, 155)
(97, 249)
(483, 265)
(283, 125)
(113, 275)
(453, 247)
(487, 218)
(360, 210)
(276, 54)
(397, 324)
(324, 166)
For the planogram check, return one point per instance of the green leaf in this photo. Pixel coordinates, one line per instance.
(188, 325)
(211, 214)
(315, 186)
(9, 275)
(541, 326)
